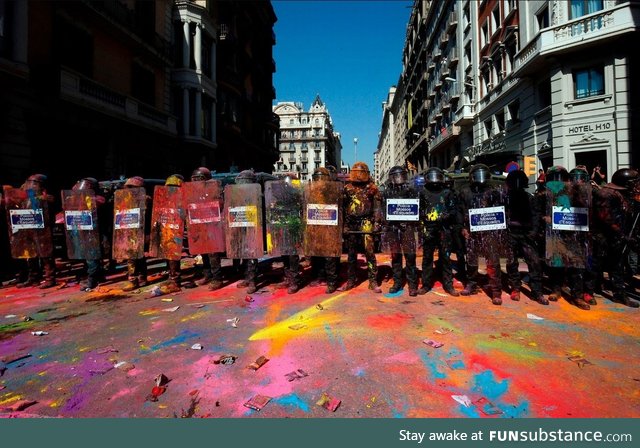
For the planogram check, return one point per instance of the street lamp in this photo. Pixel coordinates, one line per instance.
(355, 149)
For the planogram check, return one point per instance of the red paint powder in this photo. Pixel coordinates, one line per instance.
(389, 321)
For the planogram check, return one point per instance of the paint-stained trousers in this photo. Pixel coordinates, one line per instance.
(353, 242)
(521, 244)
(436, 238)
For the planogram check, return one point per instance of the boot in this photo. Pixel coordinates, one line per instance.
(496, 299)
(215, 285)
(251, 288)
(555, 295)
(590, 299)
(170, 286)
(331, 288)
(395, 288)
(242, 284)
(623, 299)
(580, 303)
(373, 286)
(46, 284)
(449, 289)
(351, 283)
(413, 292)
(131, 285)
(293, 288)
(515, 296)
(541, 299)
(469, 290)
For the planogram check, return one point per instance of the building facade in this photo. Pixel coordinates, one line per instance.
(537, 82)
(307, 139)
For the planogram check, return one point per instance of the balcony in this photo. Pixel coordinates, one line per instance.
(578, 33)
(87, 93)
(465, 114)
(431, 67)
(448, 133)
(444, 40)
(453, 62)
(452, 23)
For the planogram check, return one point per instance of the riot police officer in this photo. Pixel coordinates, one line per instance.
(251, 264)
(438, 213)
(399, 234)
(361, 218)
(137, 267)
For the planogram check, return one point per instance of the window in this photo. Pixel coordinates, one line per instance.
(484, 34)
(291, 121)
(514, 111)
(143, 84)
(542, 18)
(579, 8)
(589, 82)
(488, 128)
(544, 94)
(495, 19)
(467, 54)
(500, 121)
(73, 47)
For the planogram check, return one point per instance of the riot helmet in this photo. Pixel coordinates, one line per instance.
(419, 181)
(578, 175)
(359, 172)
(434, 176)
(175, 180)
(35, 182)
(333, 172)
(87, 183)
(624, 177)
(517, 180)
(135, 181)
(201, 173)
(557, 173)
(397, 175)
(321, 174)
(479, 174)
(246, 177)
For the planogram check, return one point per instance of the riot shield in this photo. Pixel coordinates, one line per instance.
(323, 219)
(129, 207)
(30, 229)
(401, 216)
(203, 206)
(488, 224)
(81, 224)
(167, 223)
(568, 240)
(283, 204)
(243, 223)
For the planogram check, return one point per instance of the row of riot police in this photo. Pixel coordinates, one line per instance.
(568, 229)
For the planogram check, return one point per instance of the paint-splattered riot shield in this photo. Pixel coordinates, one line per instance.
(568, 240)
(323, 219)
(205, 225)
(243, 212)
(283, 204)
(29, 224)
(81, 224)
(129, 207)
(488, 224)
(167, 223)
(401, 216)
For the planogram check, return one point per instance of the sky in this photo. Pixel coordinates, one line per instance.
(348, 52)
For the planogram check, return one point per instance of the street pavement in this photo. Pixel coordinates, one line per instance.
(108, 353)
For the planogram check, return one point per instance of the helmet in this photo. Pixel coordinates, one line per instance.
(175, 180)
(557, 173)
(201, 173)
(479, 174)
(35, 182)
(434, 176)
(135, 181)
(517, 180)
(321, 174)
(623, 177)
(87, 183)
(398, 175)
(359, 172)
(419, 181)
(578, 175)
(246, 177)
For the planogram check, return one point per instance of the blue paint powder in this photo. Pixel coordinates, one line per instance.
(292, 400)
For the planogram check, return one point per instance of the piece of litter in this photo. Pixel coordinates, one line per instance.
(39, 333)
(258, 363)
(167, 299)
(443, 330)
(462, 399)
(20, 405)
(581, 361)
(257, 402)
(296, 375)
(234, 322)
(9, 316)
(196, 347)
(225, 359)
(156, 391)
(297, 326)
(249, 299)
(319, 306)
(156, 291)
(328, 402)
(432, 343)
(27, 319)
(487, 407)
(124, 365)
(171, 310)
(438, 302)
(2, 387)
(108, 349)
(161, 380)
(534, 317)
(198, 306)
